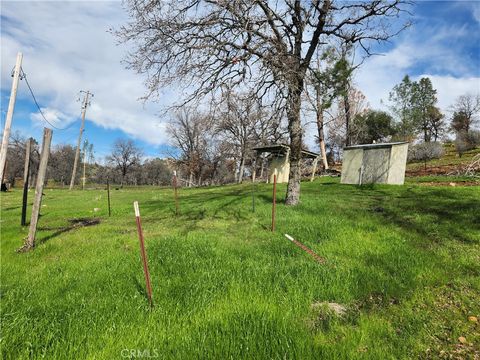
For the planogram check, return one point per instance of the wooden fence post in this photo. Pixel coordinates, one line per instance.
(142, 252)
(26, 174)
(42, 169)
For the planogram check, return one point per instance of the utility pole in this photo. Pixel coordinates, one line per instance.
(77, 152)
(8, 120)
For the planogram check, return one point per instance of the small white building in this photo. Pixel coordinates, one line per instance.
(375, 163)
(280, 161)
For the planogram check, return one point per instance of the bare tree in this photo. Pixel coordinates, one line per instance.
(189, 130)
(206, 43)
(321, 91)
(237, 119)
(272, 129)
(125, 155)
(465, 112)
(60, 164)
(357, 106)
(156, 172)
(337, 128)
(16, 158)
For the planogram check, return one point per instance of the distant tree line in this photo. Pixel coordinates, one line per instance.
(124, 166)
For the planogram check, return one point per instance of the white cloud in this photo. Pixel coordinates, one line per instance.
(53, 116)
(452, 73)
(67, 48)
(476, 11)
(449, 88)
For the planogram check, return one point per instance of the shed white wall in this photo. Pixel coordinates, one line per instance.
(351, 166)
(398, 163)
(282, 165)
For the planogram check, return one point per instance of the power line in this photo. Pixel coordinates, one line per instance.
(24, 76)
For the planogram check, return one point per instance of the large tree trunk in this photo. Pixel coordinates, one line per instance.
(124, 174)
(426, 138)
(295, 130)
(242, 168)
(190, 180)
(321, 133)
(235, 173)
(346, 104)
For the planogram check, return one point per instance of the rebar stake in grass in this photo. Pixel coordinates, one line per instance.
(253, 195)
(143, 253)
(317, 257)
(174, 181)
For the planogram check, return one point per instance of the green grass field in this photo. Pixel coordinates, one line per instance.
(403, 260)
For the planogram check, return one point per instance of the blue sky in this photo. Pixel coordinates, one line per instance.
(67, 48)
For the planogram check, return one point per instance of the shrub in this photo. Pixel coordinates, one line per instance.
(425, 151)
(466, 141)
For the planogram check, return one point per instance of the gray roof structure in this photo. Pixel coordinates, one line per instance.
(283, 149)
(375, 146)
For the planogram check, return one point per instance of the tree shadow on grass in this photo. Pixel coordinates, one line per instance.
(442, 218)
(267, 199)
(438, 217)
(11, 208)
(196, 208)
(74, 224)
(192, 206)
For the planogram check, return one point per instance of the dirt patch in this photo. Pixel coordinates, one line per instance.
(84, 222)
(450, 183)
(337, 309)
(324, 314)
(74, 223)
(432, 170)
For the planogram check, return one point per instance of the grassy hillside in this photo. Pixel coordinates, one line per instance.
(450, 162)
(403, 260)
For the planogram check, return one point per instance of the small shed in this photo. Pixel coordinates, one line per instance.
(280, 160)
(382, 163)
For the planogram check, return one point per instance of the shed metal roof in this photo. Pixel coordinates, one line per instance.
(283, 149)
(375, 146)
